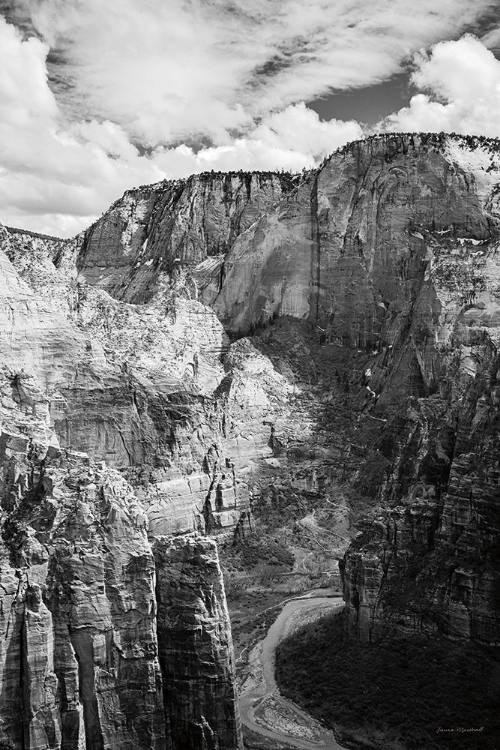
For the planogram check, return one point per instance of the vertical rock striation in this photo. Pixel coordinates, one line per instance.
(138, 415)
(193, 631)
(79, 654)
(158, 228)
(344, 249)
(90, 656)
(429, 563)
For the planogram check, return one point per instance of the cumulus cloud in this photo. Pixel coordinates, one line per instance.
(57, 176)
(298, 128)
(109, 96)
(46, 168)
(459, 84)
(23, 87)
(167, 71)
(292, 139)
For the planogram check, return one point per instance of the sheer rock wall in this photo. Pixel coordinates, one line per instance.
(133, 424)
(87, 659)
(193, 628)
(81, 639)
(160, 228)
(390, 249)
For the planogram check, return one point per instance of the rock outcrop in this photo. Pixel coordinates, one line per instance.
(390, 248)
(86, 660)
(131, 385)
(193, 631)
(229, 342)
(344, 250)
(161, 228)
(90, 657)
(429, 563)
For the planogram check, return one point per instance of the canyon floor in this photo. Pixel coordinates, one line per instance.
(263, 709)
(394, 694)
(278, 579)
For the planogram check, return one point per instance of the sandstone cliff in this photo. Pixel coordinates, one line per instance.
(88, 655)
(159, 228)
(390, 250)
(90, 658)
(232, 342)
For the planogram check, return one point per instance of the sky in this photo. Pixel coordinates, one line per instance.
(98, 96)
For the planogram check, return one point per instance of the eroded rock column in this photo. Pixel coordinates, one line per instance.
(195, 646)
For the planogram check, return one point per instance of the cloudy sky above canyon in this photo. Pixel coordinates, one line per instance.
(97, 96)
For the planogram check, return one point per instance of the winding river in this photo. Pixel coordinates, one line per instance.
(262, 708)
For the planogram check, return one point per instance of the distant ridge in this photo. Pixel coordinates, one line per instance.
(289, 179)
(17, 230)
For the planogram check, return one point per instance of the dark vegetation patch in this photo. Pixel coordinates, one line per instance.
(254, 741)
(256, 550)
(252, 614)
(408, 690)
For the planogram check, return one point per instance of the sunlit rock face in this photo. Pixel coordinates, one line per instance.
(160, 228)
(391, 249)
(81, 646)
(128, 384)
(232, 339)
(346, 249)
(88, 658)
(346, 245)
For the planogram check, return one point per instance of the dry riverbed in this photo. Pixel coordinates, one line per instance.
(265, 713)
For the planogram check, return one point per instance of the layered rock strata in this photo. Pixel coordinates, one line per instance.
(80, 660)
(346, 249)
(391, 248)
(194, 632)
(430, 564)
(371, 288)
(131, 385)
(160, 228)
(90, 655)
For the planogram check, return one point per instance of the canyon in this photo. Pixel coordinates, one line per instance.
(235, 355)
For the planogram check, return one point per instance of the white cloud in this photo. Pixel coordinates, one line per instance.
(47, 170)
(167, 70)
(235, 72)
(461, 81)
(299, 129)
(57, 176)
(23, 87)
(462, 70)
(292, 139)
(72, 179)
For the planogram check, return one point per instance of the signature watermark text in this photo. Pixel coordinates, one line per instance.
(461, 729)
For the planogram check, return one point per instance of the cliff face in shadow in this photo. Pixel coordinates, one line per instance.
(389, 250)
(229, 343)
